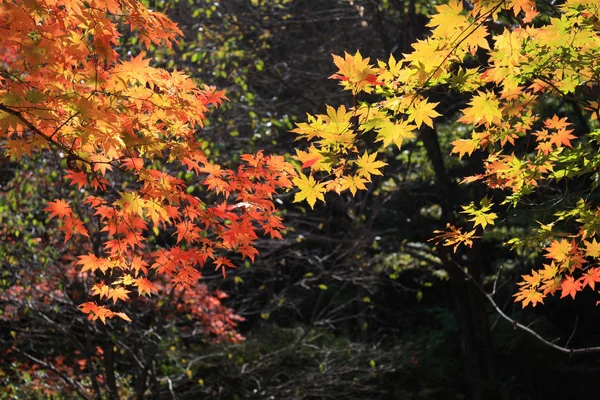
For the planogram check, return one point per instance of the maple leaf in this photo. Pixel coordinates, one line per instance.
(101, 290)
(570, 287)
(92, 263)
(449, 19)
(133, 163)
(590, 277)
(463, 146)
(367, 165)
(389, 132)
(592, 249)
(313, 159)
(551, 286)
(556, 123)
(559, 250)
(311, 162)
(131, 203)
(533, 281)
(422, 112)
(529, 295)
(221, 263)
(476, 39)
(122, 315)
(118, 293)
(353, 183)
(213, 96)
(79, 227)
(355, 72)
(527, 6)
(58, 208)
(550, 271)
(137, 265)
(454, 236)
(562, 137)
(88, 307)
(485, 107)
(310, 189)
(484, 219)
(95, 311)
(481, 216)
(78, 178)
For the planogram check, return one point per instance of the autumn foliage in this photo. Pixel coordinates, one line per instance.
(65, 88)
(529, 65)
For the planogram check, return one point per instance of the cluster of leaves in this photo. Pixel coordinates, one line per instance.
(527, 65)
(48, 346)
(69, 90)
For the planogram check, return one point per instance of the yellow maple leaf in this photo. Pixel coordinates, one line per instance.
(559, 251)
(448, 20)
(422, 112)
(549, 271)
(592, 249)
(390, 132)
(100, 290)
(131, 203)
(481, 216)
(353, 183)
(367, 165)
(355, 72)
(310, 189)
(485, 107)
(476, 39)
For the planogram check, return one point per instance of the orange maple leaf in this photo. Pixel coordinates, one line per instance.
(562, 137)
(222, 262)
(529, 295)
(118, 293)
(58, 208)
(570, 287)
(590, 277)
(92, 263)
(77, 178)
(145, 286)
(462, 147)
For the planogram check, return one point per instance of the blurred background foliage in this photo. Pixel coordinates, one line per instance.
(354, 303)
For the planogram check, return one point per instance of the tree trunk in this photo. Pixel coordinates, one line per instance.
(469, 304)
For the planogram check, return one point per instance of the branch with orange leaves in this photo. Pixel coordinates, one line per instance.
(38, 132)
(528, 330)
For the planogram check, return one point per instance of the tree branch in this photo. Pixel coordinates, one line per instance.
(75, 385)
(531, 332)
